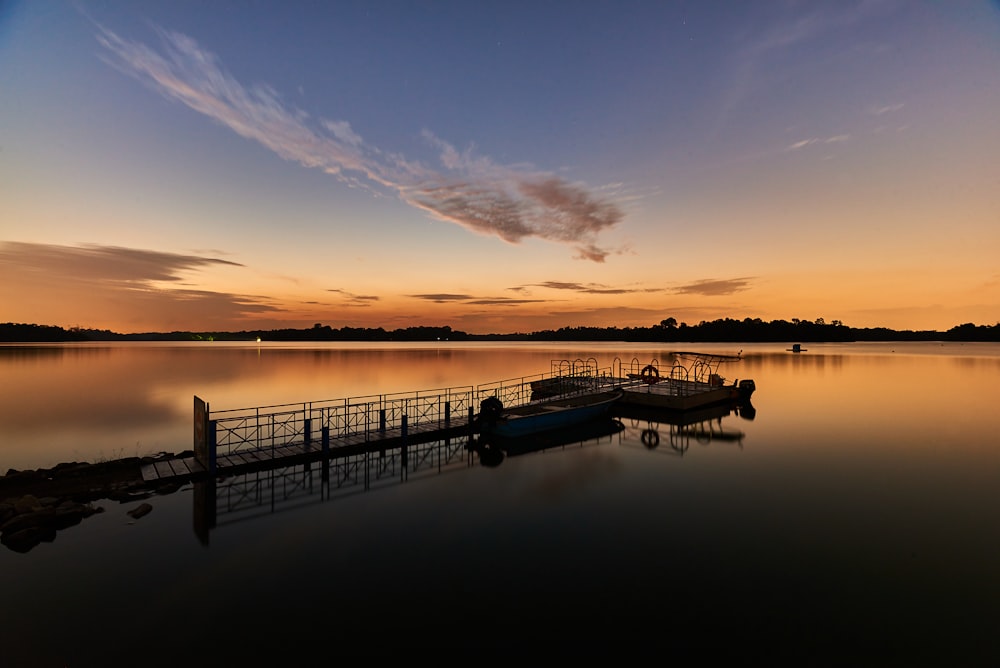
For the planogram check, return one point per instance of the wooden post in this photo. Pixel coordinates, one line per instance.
(201, 414)
(447, 412)
(211, 446)
(326, 439)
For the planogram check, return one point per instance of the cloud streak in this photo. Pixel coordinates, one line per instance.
(110, 264)
(836, 139)
(351, 299)
(511, 203)
(470, 300)
(712, 287)
(134, 287)
(588, 288)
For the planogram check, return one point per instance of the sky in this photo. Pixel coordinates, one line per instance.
(498, 167)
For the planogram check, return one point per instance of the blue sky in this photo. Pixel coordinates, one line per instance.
(498, 166)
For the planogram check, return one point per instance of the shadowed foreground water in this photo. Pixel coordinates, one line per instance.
(852, 521)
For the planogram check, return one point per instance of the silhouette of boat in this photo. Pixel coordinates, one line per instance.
(492, 450)
(692, 382)
(495, 420)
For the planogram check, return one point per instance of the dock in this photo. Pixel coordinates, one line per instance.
(235, 441)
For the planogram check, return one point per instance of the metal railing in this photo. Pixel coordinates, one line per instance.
(371, 417)
(264, 427)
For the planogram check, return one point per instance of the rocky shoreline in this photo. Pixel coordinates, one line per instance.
(35, 505)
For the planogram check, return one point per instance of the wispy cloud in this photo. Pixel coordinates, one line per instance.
(111, 264)
(472, 300)
(445, 298)
(504, 301)
(130, 285)
(588, 288)
(712, 287)
(351, 299)
(836, 139)
(762, 61)
(887, 109)
(442, 297)
(510, 202)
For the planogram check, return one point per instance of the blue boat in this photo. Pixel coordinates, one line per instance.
(541, 416)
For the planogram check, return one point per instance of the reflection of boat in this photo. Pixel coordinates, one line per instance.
(683, 418)
(678, 429)
(491, 449)
(687, 386)
(542, 416)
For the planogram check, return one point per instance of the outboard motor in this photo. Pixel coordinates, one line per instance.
(490, 410)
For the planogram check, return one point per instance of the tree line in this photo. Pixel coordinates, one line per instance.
(748, 330)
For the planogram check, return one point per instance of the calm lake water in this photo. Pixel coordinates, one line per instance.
(854, 520)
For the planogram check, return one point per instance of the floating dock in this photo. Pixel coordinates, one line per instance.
(236, 441)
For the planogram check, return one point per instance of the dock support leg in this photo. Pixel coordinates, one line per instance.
(403, 449)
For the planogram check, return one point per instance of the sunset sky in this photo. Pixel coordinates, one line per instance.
(498, 166)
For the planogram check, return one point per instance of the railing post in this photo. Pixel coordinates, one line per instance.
(447, 412)
(381, 420)
(326, 439)
(212, 441)
(307, 430)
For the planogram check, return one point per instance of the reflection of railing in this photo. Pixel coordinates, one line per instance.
(675, 438)
(262, 492)
(674, 432)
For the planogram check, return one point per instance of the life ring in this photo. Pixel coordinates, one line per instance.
(649, 374)
(650, 438)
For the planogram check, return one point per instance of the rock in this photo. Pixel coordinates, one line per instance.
(140, 510)
(33, 518)
(25, 539)
(34, 505)
(69, 513)
(30, 520)
(27, 504)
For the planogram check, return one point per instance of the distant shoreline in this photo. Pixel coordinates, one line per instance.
(717, 331)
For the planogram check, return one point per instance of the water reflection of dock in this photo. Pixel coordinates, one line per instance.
(287, 485)
(264, 491)
(673, 432)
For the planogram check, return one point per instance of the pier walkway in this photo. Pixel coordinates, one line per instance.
(248, 459)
